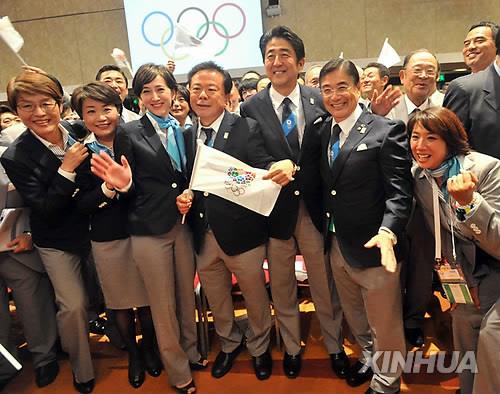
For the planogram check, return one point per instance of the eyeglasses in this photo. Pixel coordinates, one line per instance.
(419, 72)
(327, 92)
(210, 91)
(29, 107)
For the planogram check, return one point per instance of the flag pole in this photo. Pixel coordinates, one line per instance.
(188, 190)
(10, 358)
(15, 53)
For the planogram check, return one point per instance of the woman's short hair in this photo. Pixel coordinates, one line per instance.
(32, 82)
(147, 73)
(446, 124)
(97, 91)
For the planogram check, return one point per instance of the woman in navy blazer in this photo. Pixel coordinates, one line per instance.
(153, 150)
(100, 106)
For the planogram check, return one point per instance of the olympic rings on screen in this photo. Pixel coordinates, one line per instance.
(171, 28)
(202, 31)
(202, 13)
(242, 25)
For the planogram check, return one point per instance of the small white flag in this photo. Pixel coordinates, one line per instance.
(341, 56)
(221, 174)
(388, 55)
(186, 43)
(10, 35)
(121, 59)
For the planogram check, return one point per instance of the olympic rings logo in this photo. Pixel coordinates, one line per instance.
(202, 31)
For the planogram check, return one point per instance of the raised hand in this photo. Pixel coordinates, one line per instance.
(387, 100)
(461, 187)
(117, 176)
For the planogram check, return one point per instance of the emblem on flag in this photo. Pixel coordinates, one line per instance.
(238, 179)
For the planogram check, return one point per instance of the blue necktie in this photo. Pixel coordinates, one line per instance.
(208, 133)
(289, 126)
(168, 124)
(334, 144)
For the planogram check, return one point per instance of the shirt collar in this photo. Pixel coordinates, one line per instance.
(215, 124)
(411, 107)
(277, 98)
(348, 123)
(496, 65)
(65, 137)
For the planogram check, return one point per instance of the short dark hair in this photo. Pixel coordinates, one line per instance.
(34, 82)
(6, 109)
(110, 67)
(247, 84)
(287, 34)
(212, 66)
(446, 124)
(492, 25)
(383, 71)
(340, 64)
(97, 91)
(245, 76)
(147, 73)
(408, 57)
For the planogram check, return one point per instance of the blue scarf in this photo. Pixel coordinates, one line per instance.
(97, 147)
(446, 170)
(169, 121)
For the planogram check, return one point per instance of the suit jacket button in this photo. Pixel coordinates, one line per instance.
(296, 192)
(205, 194)
(174, 185)
(333, 192)
(201, 215)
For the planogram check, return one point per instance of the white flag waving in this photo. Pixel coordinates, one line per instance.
(186, 43)
(388, 55)
(10, 35)
(218, 173)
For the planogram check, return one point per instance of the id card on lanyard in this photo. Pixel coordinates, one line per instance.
(450, 274)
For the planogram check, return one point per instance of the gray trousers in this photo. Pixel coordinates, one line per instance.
(215, 269)
(487, 380)
(65, 273)
(308, 241)
(34, 299)
(371, 301)
(161, 260)
(468, 328)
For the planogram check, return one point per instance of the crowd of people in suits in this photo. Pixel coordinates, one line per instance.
(371, 180)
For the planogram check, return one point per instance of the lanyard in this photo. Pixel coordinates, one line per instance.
(437, 223)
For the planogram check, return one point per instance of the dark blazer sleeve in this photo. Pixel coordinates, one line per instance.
(90, 196)
(47, 199)
(258, 155)
(395, 164)
(122, 146)
(457, 100)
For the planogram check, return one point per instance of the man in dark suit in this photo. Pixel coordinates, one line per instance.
(228, 238)
(475, 98)
(289, 116)
(365, 168)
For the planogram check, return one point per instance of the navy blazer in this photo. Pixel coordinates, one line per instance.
(108, 217)
(236, 229)
(368, 187)
(307, 183)
(152, 208)
(475, 98)
(55, 220)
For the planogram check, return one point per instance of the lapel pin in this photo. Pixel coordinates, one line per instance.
(311, 100)
(362, 129)
(226, 134)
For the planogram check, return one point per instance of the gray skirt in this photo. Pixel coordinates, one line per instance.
(121, 283)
